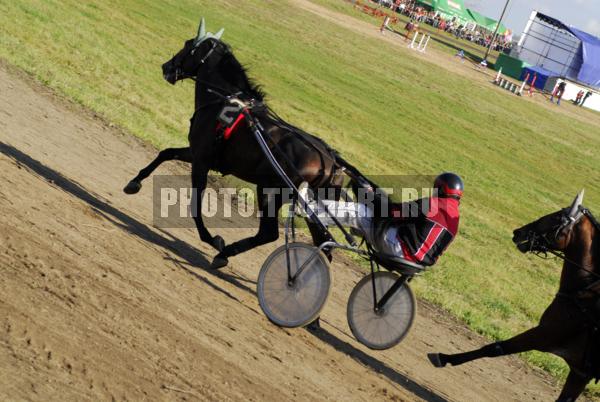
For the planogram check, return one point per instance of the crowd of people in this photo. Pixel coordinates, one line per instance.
(420, 15)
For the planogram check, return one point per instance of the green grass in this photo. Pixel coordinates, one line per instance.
(386, 109)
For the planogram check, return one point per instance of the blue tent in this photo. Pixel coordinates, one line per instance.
(590, 66)
(542, 75)
(585, 67)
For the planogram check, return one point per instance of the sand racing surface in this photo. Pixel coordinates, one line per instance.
(96, 304)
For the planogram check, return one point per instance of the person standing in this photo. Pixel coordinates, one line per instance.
(409, 29)
(558, 92)
(587, 95)
(578, 97)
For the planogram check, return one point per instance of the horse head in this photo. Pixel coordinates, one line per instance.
(199, 54)
(552, 232)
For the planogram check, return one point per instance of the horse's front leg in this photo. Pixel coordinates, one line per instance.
(169, 154)
(268, 230)
(538, 338)
(199, 180)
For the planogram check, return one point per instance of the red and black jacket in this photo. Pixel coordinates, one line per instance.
(426, 235)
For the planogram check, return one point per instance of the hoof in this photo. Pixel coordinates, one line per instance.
(315, 325)
(132, 187)
(218, 243)
(435, 359)
(219, 262)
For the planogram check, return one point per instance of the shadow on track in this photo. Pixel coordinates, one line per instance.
(378, 366)
(193, 258)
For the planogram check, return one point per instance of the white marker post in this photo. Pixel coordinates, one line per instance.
(412, 44)
(422, 50)
(520, 93)
(498, 76)
(421, 43)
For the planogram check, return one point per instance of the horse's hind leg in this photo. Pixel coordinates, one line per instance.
(169, 154)
(536, 338)
(573, 387)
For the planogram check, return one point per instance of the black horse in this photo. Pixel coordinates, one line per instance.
(221, 85)
(569, 327)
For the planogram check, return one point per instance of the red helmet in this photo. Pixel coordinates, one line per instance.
(449, 185)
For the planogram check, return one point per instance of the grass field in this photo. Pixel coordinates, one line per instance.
(440, 40)
(384, 108)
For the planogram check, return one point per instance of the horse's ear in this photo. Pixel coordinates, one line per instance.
(201, 30)
(576, 204)
(219, 34)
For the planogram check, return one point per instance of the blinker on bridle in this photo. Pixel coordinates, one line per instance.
(200, 38)
(203, 36)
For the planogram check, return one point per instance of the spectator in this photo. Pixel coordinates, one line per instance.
(410, 25)
(558, 92)
(587, 95)
(578, 97)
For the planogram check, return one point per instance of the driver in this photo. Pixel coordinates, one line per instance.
(421, 237)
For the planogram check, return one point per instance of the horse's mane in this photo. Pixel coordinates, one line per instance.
(256, 92)
(596, 243)
(250, 86)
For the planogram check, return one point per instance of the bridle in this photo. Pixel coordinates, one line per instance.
(215, 44)
(541, 244)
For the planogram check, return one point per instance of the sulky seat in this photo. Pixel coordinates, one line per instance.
(398, 264)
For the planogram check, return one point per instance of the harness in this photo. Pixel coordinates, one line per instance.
(236, 109)
(230, 117)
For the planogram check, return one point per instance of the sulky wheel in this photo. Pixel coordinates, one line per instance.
(298, 302)
(385, 328)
